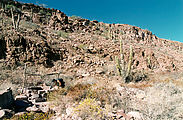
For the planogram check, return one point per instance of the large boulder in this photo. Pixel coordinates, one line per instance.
(2, 113)
(6, 99)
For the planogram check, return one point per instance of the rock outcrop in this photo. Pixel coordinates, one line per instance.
(17, 49)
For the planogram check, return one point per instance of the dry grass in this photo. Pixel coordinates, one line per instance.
(178, 83)
(140, 85)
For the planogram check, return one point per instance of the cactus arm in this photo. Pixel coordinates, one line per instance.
(18, 21)
(12, 16)
(118, 67)
(130, 62)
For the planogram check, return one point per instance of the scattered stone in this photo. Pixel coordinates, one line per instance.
(20, 113)
(40, 92)
(122, 114)
(8, 113)
(59, 118)
(100, 71)
(45, 109)
(35, 88)
(44, 106)
(2, 113)
(21, 97)
(69, 111)
(136, 115)
(34, 96)
(33, 109)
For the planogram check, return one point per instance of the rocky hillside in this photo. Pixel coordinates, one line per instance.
(46, 35)
(81, 51)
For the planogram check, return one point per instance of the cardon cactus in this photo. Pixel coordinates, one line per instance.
(15, 24)
(124, 70)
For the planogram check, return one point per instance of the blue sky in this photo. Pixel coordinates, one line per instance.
(163, 17)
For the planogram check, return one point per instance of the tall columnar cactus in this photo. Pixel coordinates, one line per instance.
(110, 32)
(32, 14)
(2, 7)
(118, 66)
(124, 71)
(113, 33)
(18, 22)
(15, 23)
(122, 56)
(5, 7)
(149, 61)
(12, 17)
(129, 62)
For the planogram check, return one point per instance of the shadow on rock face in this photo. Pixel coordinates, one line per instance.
(2, 47)
(48, 64)
(136, 77)
(58, 82)
(20, 105)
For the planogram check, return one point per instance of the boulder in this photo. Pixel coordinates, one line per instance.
(135, 115)
(43, 106)
(21, 97)
(6, 99)
(33, 109)
(2, 113)
(21, 105)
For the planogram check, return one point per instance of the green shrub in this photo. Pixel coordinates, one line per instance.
(62, 34)
(83, 47)
(29, 25)
(74, 17)
(8, 7)
(42, 12)
(48, 14)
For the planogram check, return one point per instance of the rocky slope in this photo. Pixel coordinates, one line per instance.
(44, 31)
(81, 51)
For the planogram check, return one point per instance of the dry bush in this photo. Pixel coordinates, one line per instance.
(58, 100)
(62, 97)
(96, 104)
(89, 100)
(89, 108)
(164, 101)
(33, 116)
(78, 91)
(56, 95)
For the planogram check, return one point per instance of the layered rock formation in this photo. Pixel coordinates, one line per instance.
(19, 49)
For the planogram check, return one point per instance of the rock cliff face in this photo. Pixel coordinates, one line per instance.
(18, 49)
